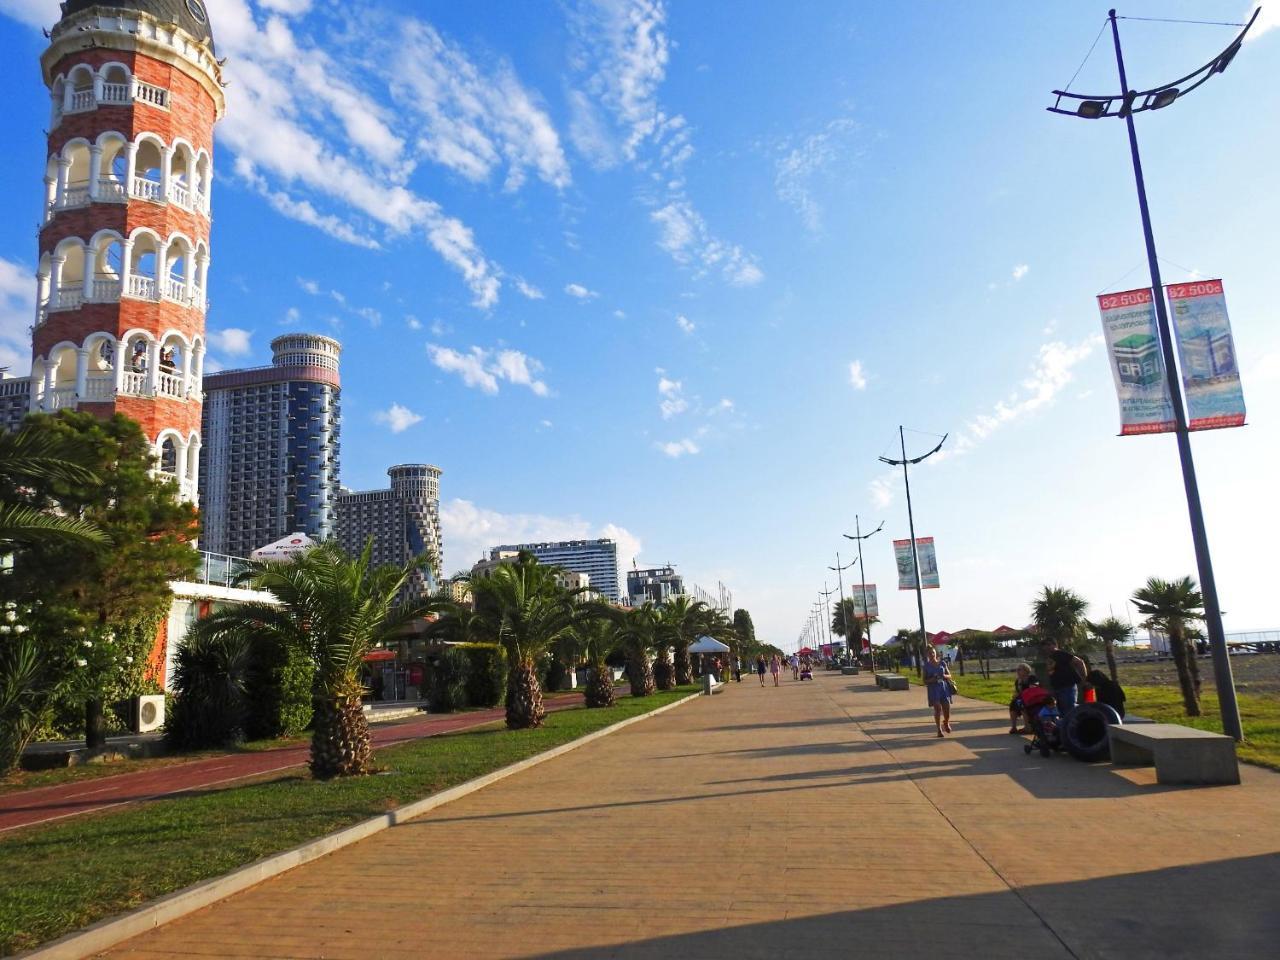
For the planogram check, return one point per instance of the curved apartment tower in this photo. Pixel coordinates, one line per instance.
(404, 522)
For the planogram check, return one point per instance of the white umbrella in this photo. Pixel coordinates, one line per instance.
(708, 645)
(284, 548)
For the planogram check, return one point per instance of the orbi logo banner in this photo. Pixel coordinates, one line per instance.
(1133, 344)
(1207, 354)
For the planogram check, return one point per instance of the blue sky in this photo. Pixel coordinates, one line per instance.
(675, 272)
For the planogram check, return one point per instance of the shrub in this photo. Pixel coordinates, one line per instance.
(486, 674)
(279, 682)
(449, 681)
(211, 705)
(557, 675)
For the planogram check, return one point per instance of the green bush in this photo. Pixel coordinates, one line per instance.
(449, 681)
(556, 675)
(211, 704)
(278, 686)
(486, 675)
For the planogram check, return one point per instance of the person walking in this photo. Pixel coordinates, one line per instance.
(775, 667)
(761, 666)
(795, 667)
(937, 680)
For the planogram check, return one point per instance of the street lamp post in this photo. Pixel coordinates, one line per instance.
(844, 612)
(866, 607)
(911, 523)
(826, 603)
(1126, 104)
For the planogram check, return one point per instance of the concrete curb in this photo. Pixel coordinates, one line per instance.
(115, 930)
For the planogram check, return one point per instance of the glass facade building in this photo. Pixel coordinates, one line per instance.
(403, 520)
(270, 457)
(598, 559)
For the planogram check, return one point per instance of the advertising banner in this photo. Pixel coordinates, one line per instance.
(906, 568)
(859, 608)
(1133, 344)
(1207, 353)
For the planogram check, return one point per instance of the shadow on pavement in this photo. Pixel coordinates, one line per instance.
(1224, 909)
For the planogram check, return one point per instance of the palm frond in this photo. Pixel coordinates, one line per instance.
(21, 523)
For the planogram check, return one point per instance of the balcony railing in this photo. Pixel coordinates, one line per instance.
(75, 195)
(99, 386)
(175, 288)
(144, 288)
(170, 385)
(82, 100)
(180, 195)
(68, 296)
(151, 94)
(134, 383)
(110, 189)
(145, 189)
(117, 94)
(60, 398)
(218, 569)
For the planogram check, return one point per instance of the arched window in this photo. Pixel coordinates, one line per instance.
(113, 167)
(179, 269)
(181, 175)
(148, 171)
(68, 291)
(169, 457)
(115, 84)
(143, 281)
(106, 260)
(81, 92)
(76, 190)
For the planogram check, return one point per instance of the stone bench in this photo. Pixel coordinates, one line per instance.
(849, 671)
(1180, 754)
(892, 681)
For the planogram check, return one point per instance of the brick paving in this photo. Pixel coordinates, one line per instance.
(817, 819)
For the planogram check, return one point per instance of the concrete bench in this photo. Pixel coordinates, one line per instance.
(1180, 754)
(849, 671)
(892, 681)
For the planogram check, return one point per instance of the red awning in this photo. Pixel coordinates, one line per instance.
(380, 655)
(805, 650)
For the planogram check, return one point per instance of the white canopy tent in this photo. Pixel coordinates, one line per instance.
(708, 645)
(285, 548)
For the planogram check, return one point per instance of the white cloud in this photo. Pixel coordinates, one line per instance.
(857, 376)
(673, 401)
(412, 322)
(684, 234)
(1051, 371)
(34, 13)
(286, 7)
(484, 368)
(398, 418)
(232, 341)
(881, 490)
(302, 210)
(801, 167)
(528, 289)
(291, 316)
(678, 448)
(310, 286)
(17, 313)
(470, 531)
(1020, 271)
(724, 406)
(621, 315)
(686, 325)
(580, 292)
(1268, 19)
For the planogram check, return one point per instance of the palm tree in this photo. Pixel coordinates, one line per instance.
(1110, 631)
(337, 608)
(637, 629)
(522, 607)
(29, 456)
(1171, 606)
(596, 635)
(1058, 614)
(680, 621)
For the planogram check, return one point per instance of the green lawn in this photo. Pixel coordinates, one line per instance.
(1260, 713)
(70, 874)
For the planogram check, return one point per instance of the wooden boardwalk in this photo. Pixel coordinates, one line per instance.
(818, 819)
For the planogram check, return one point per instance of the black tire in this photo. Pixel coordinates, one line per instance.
(1084, 733)
(1026, 748)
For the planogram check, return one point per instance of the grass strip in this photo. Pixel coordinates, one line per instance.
(1259, 714)
(68, 875)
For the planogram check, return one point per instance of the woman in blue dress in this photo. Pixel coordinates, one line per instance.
(937, 681)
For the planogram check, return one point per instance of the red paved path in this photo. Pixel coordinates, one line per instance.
(24, 808)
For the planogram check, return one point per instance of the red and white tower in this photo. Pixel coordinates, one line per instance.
(124, 249)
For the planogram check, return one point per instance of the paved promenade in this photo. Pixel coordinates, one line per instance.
(820, 819)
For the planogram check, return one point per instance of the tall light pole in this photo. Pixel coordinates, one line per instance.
(844, 611)
(866, 607)
(1125, 104)
(911, 523)
(826, 602)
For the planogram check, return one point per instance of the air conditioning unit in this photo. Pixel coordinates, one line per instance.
(148, 713)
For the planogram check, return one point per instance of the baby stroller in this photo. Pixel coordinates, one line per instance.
(1042, 712)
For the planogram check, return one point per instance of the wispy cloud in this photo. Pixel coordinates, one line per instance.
(1268, 19)
(857, 377)
(484, 368)
(1020, 271)
(672, 402)
(802, 167)
(1051, 371)
(684, 234)
(233, 341)
(471, 530)
(579, 292)
(528, 289)
(686, 325)
(398, 418)
(678, 448)
(17, 310)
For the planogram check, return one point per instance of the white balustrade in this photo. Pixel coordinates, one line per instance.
(144, 288)
(115, 93)
(110, 189)
(60, 398)
(76, 195)
(180, 195)
(146, 189)
(170, 385)
(150, 94)
(99, 386)
(134, 383)
(175, 288)
(106, 289)
(82, 100)
(68, 297)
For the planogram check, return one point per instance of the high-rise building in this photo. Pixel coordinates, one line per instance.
(123, 271)
(655, 585)
(269, 464)
(15, 400)
(598, 559)
(403, 520)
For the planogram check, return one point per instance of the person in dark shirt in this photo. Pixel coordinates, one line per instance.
(1022, 680)
(1109, 692)
(1066, 673)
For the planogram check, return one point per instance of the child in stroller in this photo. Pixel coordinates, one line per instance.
(1043, 719)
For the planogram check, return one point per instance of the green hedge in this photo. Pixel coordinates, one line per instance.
(449, 681)
(486, 674)
(278, 687)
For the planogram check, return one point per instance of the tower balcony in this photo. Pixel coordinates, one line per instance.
(96, 91)
(113, 190)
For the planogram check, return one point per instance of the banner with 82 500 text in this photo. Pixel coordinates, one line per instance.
(907, 567)
(1207, 353)
(1137, 365)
